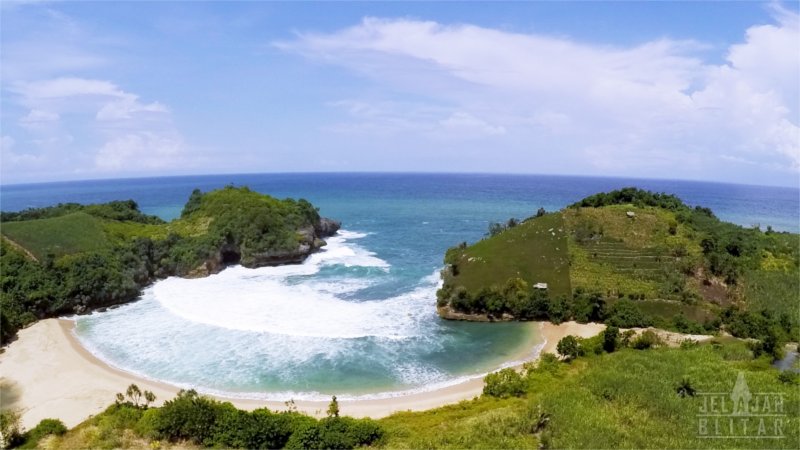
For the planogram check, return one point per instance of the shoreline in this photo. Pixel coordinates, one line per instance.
(47, 373)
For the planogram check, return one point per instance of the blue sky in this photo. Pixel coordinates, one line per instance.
(667, 90)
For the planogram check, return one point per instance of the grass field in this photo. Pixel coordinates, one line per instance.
(535, 251)
(625, 399)
(775, 290)
(617, 254)
(72, 233)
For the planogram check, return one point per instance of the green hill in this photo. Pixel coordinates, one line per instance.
(632, 257)
(58, 236)
(73, 258)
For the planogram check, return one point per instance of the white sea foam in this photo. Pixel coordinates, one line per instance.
(264, 299)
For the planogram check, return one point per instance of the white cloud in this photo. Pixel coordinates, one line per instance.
(463, 122)
(70, 123)
(645, 110)
(144, 150)
(134, 135)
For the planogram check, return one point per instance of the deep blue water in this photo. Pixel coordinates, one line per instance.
(358, 318)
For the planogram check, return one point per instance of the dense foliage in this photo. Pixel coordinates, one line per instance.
(126, 210)
(73, 258)
(195, 419)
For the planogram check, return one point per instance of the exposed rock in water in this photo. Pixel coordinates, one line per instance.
(327, 227)
(446, 312)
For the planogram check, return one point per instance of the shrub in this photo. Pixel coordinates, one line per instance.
(189, 416)
(335, 433)
(647, 339)
(548, 362)
(504, 383)
(45, 428)
(789, 377)
(10, 432)
(610, 339)
(626, 314)
(569, 347)
(685, 388)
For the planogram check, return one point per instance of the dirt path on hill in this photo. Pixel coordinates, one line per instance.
(20, 248)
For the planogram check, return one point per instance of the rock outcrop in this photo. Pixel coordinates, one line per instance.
(310, 240)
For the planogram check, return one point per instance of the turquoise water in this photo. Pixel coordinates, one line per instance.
(359, 318)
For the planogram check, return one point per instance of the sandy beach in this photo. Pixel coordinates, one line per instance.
(47, 373)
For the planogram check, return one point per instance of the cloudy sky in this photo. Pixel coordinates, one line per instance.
(666, 90)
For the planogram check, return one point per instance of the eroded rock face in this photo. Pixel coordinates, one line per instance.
(309, 241)
(327, 227)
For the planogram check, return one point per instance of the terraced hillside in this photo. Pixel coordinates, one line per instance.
(640, 257)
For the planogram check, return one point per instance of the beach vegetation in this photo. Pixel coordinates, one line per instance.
(504, 383)
(45, 428)
(569, 347)
(10, 430)
(653, 406)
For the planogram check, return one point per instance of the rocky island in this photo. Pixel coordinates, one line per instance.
(73, 259)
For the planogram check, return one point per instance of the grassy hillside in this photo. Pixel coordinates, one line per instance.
(635, 258)
(625, 399)
(72, 233)
(534, 251)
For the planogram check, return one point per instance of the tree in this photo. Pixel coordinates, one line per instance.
(134, 396)
(569, 347)
(333, 408)
(495, 229)
(504, 383)
(610, 339)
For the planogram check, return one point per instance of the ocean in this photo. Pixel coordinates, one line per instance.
(358, 319)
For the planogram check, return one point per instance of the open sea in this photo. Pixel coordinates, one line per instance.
(358, 319)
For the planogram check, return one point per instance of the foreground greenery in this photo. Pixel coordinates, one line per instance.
(73, 258)
(639, 395)
(630, 258)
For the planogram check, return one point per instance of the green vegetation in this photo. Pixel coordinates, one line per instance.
(630, 258)
(190, 418)
(77, 232)
(626, 399)
(74, 258)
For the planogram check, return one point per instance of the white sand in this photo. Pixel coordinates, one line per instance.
(46, 373)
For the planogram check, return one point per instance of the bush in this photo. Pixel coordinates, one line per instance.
(789, 377)
(45, 428)
(215, 424)
(569, 347)
(626, 314)
(504, 383)
(685, 388)
(335, 433)
(10, 432)
(647, 339)
(189, 417)
(610, 339)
